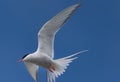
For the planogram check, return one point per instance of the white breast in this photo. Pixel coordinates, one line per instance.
(42, 60)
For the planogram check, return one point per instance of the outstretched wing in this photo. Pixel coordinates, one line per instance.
(33, 70)
(47, 33)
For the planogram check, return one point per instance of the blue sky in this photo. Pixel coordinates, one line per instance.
(94, 26)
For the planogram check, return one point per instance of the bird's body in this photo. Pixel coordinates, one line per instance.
(44, 55)
(41, 60)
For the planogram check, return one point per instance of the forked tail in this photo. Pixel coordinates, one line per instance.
(60, 66)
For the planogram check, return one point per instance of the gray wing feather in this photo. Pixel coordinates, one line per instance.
(47, 33)
(33, 70)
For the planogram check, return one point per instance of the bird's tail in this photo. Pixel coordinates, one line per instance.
(60, 66)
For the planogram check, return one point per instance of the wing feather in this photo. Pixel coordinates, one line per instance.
(33, 70)
(49, 29)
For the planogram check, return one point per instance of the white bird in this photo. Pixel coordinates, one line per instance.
(44, 55)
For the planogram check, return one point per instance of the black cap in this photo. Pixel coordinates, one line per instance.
(24, 56)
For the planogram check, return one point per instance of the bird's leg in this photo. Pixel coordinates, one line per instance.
(52, 68)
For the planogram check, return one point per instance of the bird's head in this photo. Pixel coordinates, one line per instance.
(23, 58)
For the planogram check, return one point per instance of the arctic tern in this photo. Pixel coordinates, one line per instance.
(44, 54)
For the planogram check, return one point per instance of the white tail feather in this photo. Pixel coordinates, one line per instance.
(60, 66)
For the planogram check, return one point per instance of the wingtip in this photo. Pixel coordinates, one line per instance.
(77, 5)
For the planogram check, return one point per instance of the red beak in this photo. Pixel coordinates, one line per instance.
(20, 60)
